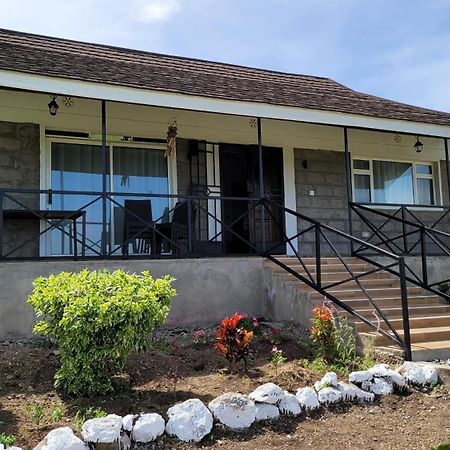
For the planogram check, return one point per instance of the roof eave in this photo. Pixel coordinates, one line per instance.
(102, 91)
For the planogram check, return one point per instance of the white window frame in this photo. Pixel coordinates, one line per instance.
(45, 244)
(434, 176)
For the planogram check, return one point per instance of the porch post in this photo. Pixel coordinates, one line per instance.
(104, 181)
(261, 185)
(348, 175)
(447, 167)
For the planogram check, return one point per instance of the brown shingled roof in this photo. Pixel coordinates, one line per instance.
(64, 58)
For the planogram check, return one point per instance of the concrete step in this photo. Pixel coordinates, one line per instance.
(344, 293)
(390, 302)
(326, 268)
(396, 311)
(418, 335)
(414, 322)
(423, 351)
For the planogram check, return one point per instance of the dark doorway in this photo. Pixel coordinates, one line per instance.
(240, 178)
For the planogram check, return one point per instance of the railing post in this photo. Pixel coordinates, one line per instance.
(104, 181)
(1, 223)
(423, 251)
(261, 186)
(189, 201)
(318, 256)
(405, 241)
(405, 311)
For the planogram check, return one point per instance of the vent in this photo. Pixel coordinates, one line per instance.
(72, 134)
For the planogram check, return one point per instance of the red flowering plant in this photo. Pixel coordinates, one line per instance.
(233, 340)
(323, 331)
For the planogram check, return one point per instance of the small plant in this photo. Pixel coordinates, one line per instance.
(274, 336)
(7, 439)
(85, 414)
(277, 358)
(58, 412)
(323, 332)
(250, 324)
(37, 410)
(199, 337)
(98, 318)
(233, 341)
(444, 287)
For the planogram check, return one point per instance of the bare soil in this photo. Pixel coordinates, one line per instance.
(161, 378)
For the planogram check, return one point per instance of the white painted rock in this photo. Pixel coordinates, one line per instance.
(378, 386)
(267, 393)
(233, 410)
(127, 422)
(351, 393)
(104, 430)
(329, 395)
(392, 376)
(290, 405)
(360, 376)
(61, 439)
(307, 398)
(265, 411)
(419, 374)
(13, 448)
(328, 380)
(2, 447)
(148, 427)
(189, 421)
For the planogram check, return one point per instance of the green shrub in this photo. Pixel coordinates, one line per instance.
(98, 318)
(7, 439)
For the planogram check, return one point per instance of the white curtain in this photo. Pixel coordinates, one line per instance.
(393, 182)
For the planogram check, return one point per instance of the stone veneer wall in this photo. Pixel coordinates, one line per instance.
(20, 168)
(324, 173)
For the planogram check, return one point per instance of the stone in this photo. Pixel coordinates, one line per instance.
(290, 405)
(105, 430)
(419, 374)
(267, 393)
(61, 439)
(308, 398)
(329, 395)
(128, 421)
(148, 427)
(351, 393)
(378, 386)
(233, 410)
(328, 380)
(189, 421)
(360, 376)
(266, 411)
(383, 371)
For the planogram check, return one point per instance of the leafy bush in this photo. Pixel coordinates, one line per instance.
(7, 439)
(98, 318)
(233, 340)
(334, 337)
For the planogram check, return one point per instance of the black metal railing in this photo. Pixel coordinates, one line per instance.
(325, 242)
(403, 232)
(90, 224)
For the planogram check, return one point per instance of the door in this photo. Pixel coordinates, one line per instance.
(239, 166)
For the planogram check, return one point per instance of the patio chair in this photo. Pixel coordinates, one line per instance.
(176, 231)
(138, 227)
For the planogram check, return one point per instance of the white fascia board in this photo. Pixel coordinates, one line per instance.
(103, 91)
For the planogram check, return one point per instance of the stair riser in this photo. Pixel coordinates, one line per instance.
(413, 323)
(345, 294)
(425, 311)
(415, 338)
(365, 304)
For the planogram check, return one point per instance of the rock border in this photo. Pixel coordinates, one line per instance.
(192, 421)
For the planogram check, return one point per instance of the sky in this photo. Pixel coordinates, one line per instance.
(397, 49)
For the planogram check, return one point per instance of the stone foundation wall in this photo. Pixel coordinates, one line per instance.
(20, 168)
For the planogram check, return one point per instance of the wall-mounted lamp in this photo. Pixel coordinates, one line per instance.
(418, 146)
(53, 106)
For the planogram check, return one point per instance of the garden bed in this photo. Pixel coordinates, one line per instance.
(177, 369)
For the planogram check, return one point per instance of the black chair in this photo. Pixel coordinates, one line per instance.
(176, 231)
(138, 227)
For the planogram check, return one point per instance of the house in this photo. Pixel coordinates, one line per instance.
(258, 190)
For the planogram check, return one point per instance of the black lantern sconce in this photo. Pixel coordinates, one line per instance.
(418, 146)
(53, 106)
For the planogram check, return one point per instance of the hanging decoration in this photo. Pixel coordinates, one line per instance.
(171, 138)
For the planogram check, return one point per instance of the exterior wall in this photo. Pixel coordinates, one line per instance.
(207, 289)
(20, 168)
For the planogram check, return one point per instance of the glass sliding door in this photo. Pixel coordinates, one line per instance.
(76, 167)
(138, 171)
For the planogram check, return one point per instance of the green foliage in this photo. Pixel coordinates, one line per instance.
(444, 287)
(85, 414)
(58, 412)
(442, 447)
(98, 318)
(36, 408)
(277, 358)
(7, 439)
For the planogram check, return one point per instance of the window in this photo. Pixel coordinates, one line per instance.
(393, 182)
